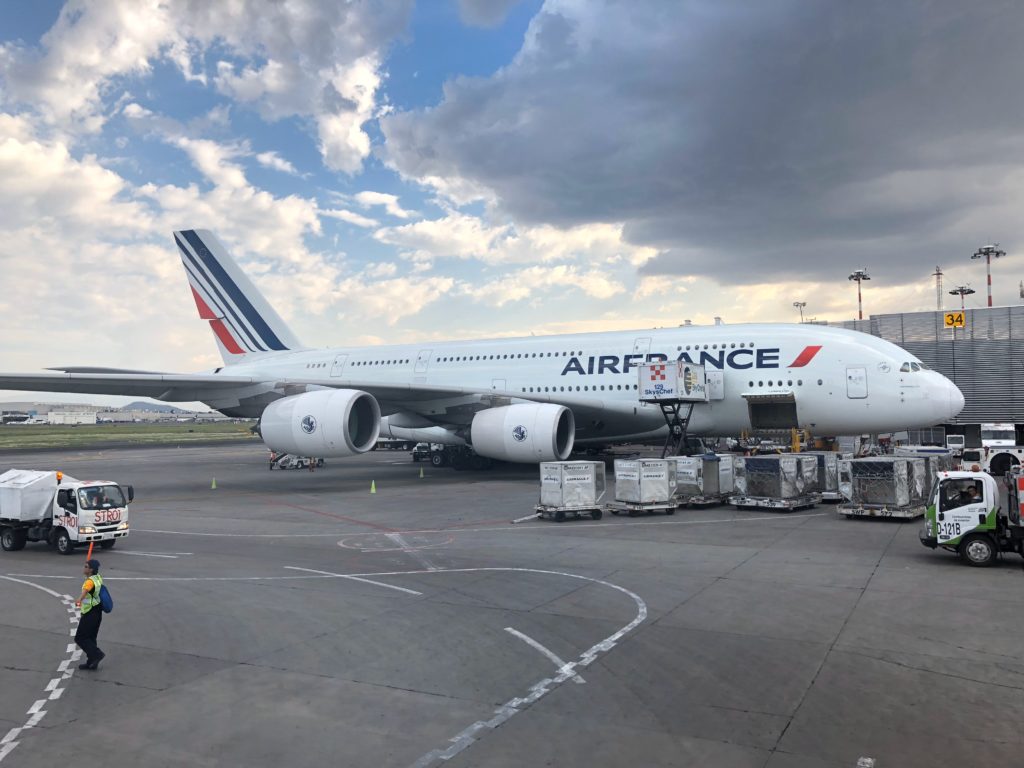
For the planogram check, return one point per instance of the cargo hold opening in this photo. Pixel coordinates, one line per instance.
(772, 411)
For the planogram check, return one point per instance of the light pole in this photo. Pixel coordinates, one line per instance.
(800, 305)
(860, 275)
(961, 291)
(988, 251)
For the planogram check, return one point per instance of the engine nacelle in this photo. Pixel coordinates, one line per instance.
(324, 423)
(528, 433)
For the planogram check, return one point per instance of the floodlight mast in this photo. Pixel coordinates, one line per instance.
(800, 305)
(961, 291)
(860, 275)
(989, 252)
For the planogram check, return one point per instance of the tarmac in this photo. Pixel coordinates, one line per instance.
(296, 618)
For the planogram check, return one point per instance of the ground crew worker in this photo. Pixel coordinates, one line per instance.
(92, 615)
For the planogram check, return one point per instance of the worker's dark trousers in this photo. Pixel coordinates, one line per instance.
(88, 631)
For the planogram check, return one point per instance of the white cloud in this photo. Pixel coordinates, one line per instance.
(276, 162)
(316, 59)
(533, 281)
(351, 217)
(392, 207)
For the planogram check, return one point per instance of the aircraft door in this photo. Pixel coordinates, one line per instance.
(339, 365)
(421, 360)
(642, 346)
(857, 383)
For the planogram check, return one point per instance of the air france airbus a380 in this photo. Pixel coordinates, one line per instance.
(528, 399)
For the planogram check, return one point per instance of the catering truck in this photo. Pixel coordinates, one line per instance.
(964, 516)
(48, 506)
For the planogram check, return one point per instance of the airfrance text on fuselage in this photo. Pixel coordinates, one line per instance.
(739, 359)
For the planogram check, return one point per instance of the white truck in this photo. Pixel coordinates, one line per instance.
(64, 512)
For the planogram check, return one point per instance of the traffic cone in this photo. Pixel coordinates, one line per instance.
(421, 473)
(213, 485)
(373, 487)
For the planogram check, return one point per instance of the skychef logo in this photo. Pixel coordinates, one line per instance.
(737, 359)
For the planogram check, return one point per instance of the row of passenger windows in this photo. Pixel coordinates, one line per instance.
(583, 388)
(789, 383)
(466, 358)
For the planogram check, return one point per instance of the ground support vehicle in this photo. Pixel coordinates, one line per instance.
(964, 516)
(996, 460)
(783, 482)
(790, 504)
(703, 481)
(458, 457)
(290, 461)
(37, 505)
(884, 486)
(571, 488)
(634, 508)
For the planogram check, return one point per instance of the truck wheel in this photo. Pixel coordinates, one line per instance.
(978, 550)
(596, 514)
(108, 544)
(12, 540)
(560, 516)
(437, 459)
(64, 544)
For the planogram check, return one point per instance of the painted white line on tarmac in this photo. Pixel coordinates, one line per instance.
(524, 518)
(473, 733)
(353, 578)
(478, 529)
(411, 551)
(36, 712)
(171, 555)
(559, 664)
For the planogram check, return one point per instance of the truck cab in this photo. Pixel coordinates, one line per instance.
(964, 516)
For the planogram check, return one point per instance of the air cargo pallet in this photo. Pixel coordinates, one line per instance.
(769, 502)
(700, 501)
(559, 514)
(851, 511)
(634, 508)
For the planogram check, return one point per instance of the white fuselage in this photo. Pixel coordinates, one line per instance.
(841, 382)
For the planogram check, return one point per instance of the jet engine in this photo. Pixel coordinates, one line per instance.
(324, 423)
(525, 433)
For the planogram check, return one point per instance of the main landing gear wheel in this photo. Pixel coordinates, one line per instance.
(63, 542)
(437, 459)
(977, 550)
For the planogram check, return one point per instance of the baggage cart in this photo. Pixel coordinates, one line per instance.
(571, 489)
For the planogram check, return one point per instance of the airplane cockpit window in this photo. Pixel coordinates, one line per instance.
(924, 367)
(915, 367)
(905, 368)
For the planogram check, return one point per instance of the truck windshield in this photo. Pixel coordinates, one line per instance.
(100, 497)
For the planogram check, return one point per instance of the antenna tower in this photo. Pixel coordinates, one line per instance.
(938, 286)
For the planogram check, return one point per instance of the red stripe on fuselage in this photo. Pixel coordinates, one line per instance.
(805, 357)
(226, 338)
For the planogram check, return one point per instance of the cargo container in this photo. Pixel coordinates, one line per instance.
(645, 485)
(884, 486)
(783, 481)
(571, 488)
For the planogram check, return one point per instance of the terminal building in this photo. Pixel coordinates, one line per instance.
(985, 359)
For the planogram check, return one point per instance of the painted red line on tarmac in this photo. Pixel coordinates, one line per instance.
(367, 523)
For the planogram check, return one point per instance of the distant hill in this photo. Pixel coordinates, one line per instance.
(140, 405)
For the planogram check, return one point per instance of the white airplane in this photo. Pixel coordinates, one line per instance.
(526, 399)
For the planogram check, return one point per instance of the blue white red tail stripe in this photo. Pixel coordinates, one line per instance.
(223, 279)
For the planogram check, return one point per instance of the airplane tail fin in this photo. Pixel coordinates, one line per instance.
(242, 320)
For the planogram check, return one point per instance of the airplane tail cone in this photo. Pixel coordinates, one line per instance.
(213, 485)
(373, 486)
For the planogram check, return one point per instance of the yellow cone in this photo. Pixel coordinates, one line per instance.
(373, 487)
(421, 472)
(213, 485)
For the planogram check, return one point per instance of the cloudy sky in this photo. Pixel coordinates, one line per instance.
(392, 170)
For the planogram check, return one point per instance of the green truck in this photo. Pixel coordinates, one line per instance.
(964, 515)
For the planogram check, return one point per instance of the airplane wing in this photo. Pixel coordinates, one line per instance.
(161, 386)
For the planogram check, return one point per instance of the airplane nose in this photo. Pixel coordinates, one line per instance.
(956, 400)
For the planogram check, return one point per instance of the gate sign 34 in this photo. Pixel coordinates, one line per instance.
(953, 319)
